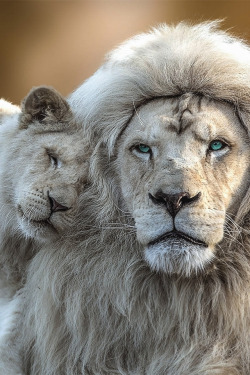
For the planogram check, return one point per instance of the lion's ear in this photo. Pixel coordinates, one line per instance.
(45, 105)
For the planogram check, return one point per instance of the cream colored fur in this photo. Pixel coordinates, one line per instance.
(101, 302)
(7, 108)
(43, 167)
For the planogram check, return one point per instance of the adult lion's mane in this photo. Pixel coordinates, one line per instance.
(92, 305)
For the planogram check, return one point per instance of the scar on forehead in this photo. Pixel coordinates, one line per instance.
(183, 112)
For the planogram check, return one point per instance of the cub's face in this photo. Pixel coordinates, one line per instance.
(184, 168)
(47, 167)
(51, 171)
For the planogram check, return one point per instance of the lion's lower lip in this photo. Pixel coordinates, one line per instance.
(39, 223)
(177, 235)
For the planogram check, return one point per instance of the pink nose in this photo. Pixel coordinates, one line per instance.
(55, 206)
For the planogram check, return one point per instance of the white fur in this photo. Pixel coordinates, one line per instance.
(7, 108)
(188, 258)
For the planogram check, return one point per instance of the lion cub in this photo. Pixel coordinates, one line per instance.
(43, 168)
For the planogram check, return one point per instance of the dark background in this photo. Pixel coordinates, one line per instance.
(61, 43)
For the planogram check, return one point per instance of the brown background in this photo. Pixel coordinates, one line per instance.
(61, 43)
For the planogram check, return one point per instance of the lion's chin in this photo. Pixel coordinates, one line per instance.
(38, 230)
(179, 256)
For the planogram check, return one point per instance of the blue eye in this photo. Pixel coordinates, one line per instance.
(143, 148)
(217, 145)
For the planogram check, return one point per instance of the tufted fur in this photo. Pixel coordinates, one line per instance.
(100, 309)
(42, 156)
(7, 108)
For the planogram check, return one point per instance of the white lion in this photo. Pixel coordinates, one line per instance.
(43, 167)
(157, 280)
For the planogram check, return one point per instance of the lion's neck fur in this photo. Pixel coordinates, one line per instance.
(15, 253)
(206, 316)
(15, 248)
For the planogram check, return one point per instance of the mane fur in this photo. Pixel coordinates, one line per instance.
(92, 305)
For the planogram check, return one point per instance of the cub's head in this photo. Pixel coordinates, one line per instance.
(45, 167)
(183, 166)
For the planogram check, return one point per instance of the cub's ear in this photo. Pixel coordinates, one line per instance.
(44, 105)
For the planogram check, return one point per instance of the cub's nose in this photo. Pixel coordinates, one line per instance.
(55, 206)
(174, 202)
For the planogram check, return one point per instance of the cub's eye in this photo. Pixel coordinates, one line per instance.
(143, 148)
(55, 162)
(217, 145)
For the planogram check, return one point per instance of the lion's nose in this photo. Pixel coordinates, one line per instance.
(174, 202)
(55, 206)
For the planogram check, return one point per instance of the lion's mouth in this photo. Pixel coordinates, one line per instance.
(176, 235)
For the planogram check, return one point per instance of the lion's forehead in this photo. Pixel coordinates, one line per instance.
(70, 147)
(184, 119)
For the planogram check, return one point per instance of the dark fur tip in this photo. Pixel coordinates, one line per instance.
(43, 102)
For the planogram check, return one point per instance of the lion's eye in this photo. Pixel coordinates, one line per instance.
(143, 148)
(142, 151)
(217, 145)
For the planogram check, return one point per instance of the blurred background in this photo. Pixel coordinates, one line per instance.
(61, 43)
